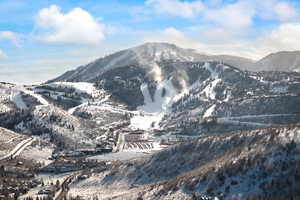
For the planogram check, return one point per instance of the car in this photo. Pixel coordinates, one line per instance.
(84, 176)
(45, 191)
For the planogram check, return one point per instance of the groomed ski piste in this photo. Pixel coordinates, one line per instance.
(154, 110)
(42, 100)
(16, 96)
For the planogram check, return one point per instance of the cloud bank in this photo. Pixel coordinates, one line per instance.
(2, 55)
(231, 28)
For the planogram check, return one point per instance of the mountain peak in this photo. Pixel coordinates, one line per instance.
(156, 45)
(155, 52)
(142, 55)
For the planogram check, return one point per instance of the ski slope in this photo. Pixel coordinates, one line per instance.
(16, 97)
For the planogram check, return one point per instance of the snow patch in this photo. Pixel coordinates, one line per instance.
(152, 112)
(209, 89)
(145, 122)
(38, 97)
(80, 87)
(209, 111)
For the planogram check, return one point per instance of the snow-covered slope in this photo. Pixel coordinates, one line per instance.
(177, 97)
(8, 141)
(243, 165)
(219, 92)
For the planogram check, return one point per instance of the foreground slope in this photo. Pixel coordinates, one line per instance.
(243, 165)
(9, 140)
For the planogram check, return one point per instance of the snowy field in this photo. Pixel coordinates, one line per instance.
(121, 156)
(154, 110)
(38, 154)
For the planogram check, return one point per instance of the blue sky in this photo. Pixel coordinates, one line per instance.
(40, 40)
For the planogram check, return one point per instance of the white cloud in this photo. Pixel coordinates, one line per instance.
(231, 27)
(284, 37)
(241, 14)
(174, 33)
(279, 10)
(232, 16)
(175, 36)
(285, 12)
(75, 27)
(11, 36)
(2, 55)
(176, 7)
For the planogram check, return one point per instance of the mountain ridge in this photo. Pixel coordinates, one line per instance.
(281, 61)
(144, 55)
(154, 52)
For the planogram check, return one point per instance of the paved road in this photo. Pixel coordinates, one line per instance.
(120, 143)
(18, 149)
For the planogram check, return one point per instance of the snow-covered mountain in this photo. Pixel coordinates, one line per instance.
(174, 98)
(234, 126)
(280, 61)
(224, 99)
(145, 56)
(153, 87)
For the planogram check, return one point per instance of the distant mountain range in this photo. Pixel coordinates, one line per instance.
(149, 53)
(281, 61)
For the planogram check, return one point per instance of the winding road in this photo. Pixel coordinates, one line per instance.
(18, 149)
